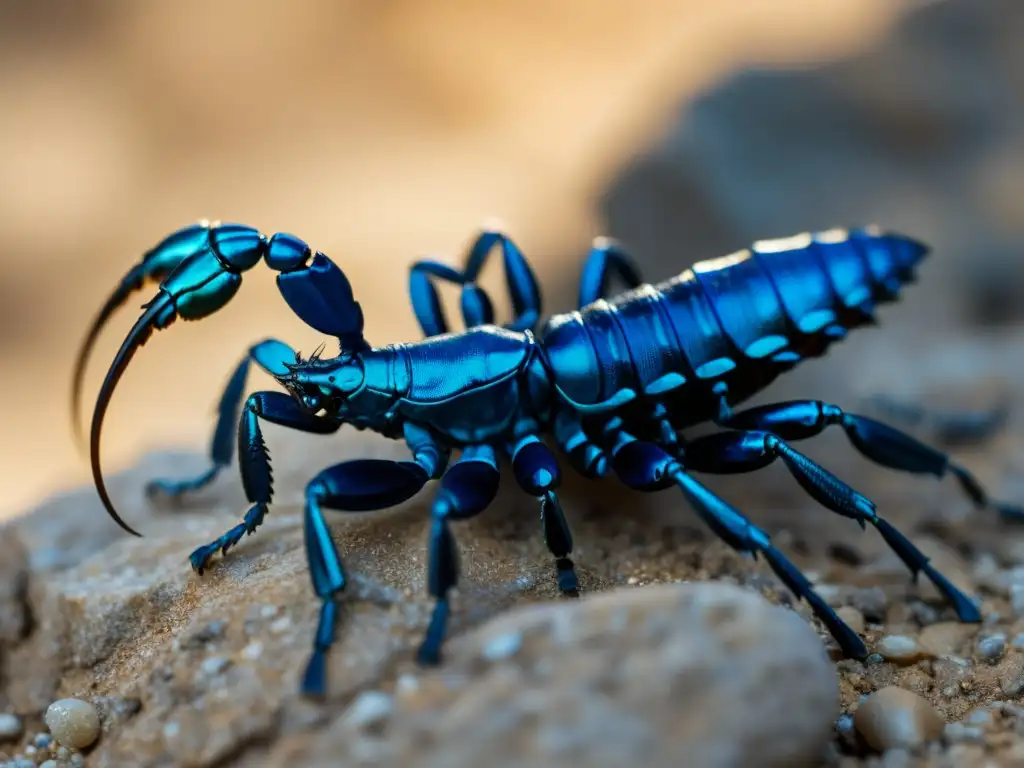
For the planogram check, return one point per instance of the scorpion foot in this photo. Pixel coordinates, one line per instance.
(175, 489)
(201, 556)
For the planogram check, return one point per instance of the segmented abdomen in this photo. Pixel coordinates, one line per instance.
(740, 319)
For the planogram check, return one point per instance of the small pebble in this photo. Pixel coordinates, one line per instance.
(213, 666)
(406, 685)
(77, 761)
(73, 723)
(978, 717)
(923, 613)
(945, 638)
(10, 727)
(992, 648)
(503, 646)
(958, 733)
(900, 649)
(42, 740)
(253, 650)
(369, 710)
(854, 619)
(1012, 683)
(48, 764)
(894, 718)
(1017, 600)
(846, 732)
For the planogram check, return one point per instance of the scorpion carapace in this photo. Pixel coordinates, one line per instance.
(613, 384)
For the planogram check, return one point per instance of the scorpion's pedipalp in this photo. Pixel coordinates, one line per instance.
(156, 316)
(131, 283)
(155, 265)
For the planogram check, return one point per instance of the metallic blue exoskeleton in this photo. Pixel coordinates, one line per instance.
(613, 384)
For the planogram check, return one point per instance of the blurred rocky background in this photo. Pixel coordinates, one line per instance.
(383, 132)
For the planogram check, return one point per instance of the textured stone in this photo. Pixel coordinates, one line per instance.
(73, 723)
(894, 718)
(696, 674)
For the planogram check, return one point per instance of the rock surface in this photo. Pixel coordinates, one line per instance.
(895, 718)
(696, 674)
(204, 671)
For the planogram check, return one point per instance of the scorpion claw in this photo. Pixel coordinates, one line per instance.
(155, 265)
(131, 283)
(159, 314)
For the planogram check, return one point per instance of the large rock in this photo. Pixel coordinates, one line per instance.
(689, 674)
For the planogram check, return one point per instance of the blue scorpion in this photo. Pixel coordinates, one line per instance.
(613, 384)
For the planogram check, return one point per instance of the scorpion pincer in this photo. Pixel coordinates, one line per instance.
(614, 384)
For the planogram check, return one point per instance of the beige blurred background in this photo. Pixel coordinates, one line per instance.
(377, 131)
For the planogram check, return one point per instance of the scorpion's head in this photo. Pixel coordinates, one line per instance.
(324, 385)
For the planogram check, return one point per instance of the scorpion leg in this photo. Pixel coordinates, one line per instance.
(536, 471)
(585, 456)
(254, 459)
(644, 466)
(270, 355)
(607, 259)
(467, 489)
(476, 305)
(737, 452)
(352, 486)
(882, 444)
(949, 427)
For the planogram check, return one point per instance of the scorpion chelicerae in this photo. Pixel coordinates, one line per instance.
(613, 383)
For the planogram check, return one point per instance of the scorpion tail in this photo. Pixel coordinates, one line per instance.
(131, 283)
(160, 313)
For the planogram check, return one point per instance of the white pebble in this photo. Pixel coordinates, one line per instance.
(252, 650)
(73, 722)
(958, 733)
(10, 727)
(1017, 599)
(214, 665)
(48, 764)
(991, 648)
(503, 646)
(900, 649)
(281, 625)
(371, 708)
(406, 685)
